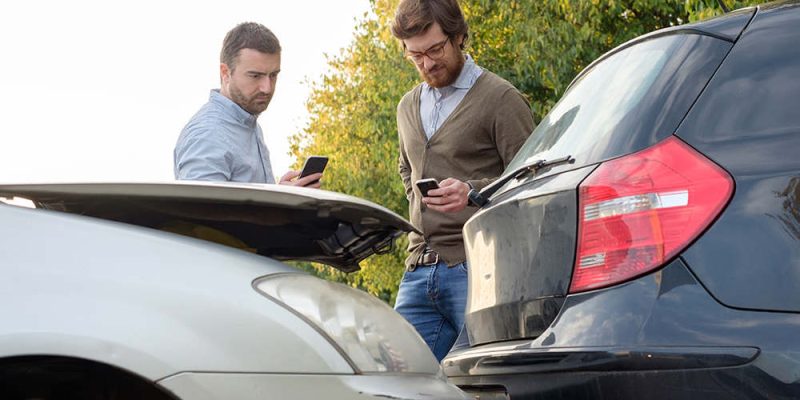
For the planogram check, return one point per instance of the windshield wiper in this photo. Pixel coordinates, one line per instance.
(481, 198)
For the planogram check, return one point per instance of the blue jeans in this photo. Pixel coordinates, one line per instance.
(433, 299)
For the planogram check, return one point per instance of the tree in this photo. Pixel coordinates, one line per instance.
(538, 45)
(353, 122)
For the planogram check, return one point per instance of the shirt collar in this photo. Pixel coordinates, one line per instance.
(468, 75)
(466, 78)
(232, 109)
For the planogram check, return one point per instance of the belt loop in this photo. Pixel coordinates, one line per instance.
(435, 259)
(428, 257)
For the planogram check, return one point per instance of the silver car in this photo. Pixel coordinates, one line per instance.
(176, 291)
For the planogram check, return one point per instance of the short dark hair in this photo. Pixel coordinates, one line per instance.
(247, 35)
(414, 17)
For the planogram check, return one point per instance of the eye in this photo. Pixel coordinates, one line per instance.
(416, 57)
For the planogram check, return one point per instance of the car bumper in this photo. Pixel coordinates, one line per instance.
(240, 386)
(661, 336)
(499, 372)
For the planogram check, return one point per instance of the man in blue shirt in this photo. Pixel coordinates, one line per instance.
(223, 141)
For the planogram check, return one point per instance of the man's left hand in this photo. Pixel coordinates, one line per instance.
(289, 179)
(451, 196)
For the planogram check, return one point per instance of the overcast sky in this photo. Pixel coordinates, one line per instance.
(100, 90)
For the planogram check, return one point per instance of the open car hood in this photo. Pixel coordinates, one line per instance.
(281, 222)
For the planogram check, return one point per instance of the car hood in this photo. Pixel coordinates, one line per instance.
(281, 222)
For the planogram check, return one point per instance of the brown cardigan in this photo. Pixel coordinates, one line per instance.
(474, 144)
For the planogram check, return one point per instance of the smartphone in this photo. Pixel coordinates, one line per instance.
(427, 184)
(313, 165)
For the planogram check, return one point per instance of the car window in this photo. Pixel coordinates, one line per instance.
(596, 103)
(627, 101)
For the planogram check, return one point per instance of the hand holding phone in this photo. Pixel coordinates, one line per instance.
(313, 165)
(425, 185)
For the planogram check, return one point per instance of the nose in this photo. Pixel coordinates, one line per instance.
(428, 63)
(267, 85)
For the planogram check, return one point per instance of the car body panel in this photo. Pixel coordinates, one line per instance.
(758, 145)
(277, 221)
(209, 386)
(727, 27)
(526, 305)
(118, 294)
(659, 336)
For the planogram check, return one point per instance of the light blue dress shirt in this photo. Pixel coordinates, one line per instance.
(222, 142)
(436, 104)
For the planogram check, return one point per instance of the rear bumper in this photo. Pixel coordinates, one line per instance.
(661, 336)
(744, 382)
(503, 360)
(615, 373)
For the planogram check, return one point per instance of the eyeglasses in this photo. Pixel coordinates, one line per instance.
(435, 52)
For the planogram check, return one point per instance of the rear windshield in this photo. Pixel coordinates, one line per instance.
(626, 102)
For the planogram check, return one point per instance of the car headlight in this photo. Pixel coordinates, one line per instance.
(366, 331)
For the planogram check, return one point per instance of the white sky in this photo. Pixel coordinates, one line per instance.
(99, 90)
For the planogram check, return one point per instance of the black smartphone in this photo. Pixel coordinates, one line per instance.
(313, 165)
(426, 184)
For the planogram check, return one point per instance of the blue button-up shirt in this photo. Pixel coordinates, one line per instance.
(436, 104)
(222, 142)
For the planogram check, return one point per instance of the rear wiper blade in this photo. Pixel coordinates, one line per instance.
(481, 198)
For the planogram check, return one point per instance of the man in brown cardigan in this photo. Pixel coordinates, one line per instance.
(461, 126)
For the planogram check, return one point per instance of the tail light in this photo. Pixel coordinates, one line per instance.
(639, 211)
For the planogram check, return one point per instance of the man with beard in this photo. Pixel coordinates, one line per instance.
(461, 126)
(223, 141)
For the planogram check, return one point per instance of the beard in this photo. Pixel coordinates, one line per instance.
(444, 72)
(255, 104)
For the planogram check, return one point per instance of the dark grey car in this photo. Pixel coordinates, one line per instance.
(645, 242)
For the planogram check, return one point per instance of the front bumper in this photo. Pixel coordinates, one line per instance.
(242, 386)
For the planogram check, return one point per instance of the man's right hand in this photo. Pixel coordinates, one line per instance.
(451, 196)
(291, 178)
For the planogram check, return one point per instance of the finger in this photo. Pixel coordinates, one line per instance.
(307, 180)
(290, 175)
(436, 192)
(441, 200)
(448, 182)
(436, 200)
(431, 200)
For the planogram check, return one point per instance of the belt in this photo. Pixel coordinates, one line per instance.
(426, 259)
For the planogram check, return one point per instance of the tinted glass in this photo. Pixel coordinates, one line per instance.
(626, 102)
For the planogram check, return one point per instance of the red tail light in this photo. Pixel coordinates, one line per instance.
(639, 211)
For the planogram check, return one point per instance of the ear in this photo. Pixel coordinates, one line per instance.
(460, 41)
(224, 73)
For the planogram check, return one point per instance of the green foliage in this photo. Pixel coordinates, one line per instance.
(538, 45)
(699, 10)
